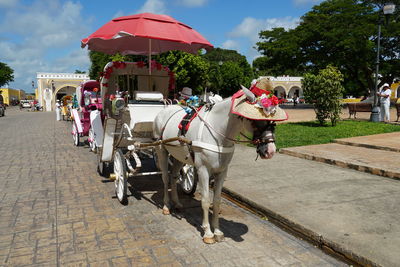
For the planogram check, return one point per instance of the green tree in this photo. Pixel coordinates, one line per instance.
(220, 79)
(99, 60)
(219, 70)
(282, 53)
(324, 91)
(79, 72)
(190, 70)
(6, 74)
(337, 32)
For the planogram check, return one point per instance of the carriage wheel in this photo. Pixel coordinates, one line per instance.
(92, 143)
(120, 171)
(75, 134)
(188, 179)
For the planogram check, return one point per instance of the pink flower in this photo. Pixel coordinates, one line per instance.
(266, 102)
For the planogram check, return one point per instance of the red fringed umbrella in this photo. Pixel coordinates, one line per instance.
(145, 34)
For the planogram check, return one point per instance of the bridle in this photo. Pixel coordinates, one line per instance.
(258, 137)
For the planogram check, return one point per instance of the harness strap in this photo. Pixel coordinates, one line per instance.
(214, 148)
(207, 146)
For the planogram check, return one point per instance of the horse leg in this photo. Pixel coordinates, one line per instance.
(176, 167)
(162, 156)
(204, 177)
(218, 182)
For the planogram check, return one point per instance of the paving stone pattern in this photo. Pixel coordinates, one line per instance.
(55, 210)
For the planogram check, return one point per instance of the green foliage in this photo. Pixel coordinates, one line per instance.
(99, 60)
(228, 70)
(190, 70)
(323, 91)
(338, 32)
(309, 133)
(79, 72)
(6, 74)
(220, 70)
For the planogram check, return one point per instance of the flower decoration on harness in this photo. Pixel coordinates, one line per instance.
(268, 102)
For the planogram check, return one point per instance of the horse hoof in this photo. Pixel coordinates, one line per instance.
(219, 238)
(165, 211)
(208, 240)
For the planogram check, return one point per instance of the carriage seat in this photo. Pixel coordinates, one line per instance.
(143, 110)
(148, 96)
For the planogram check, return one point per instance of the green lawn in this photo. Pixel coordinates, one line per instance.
(310, 133)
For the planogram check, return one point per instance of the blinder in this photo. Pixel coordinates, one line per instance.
(264, 132)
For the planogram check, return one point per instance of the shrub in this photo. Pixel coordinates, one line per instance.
(324, 92)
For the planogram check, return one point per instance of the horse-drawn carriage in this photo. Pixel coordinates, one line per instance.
(139, 120)
(132, 96)
(87, 117)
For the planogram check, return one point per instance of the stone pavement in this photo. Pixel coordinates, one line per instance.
(57, 211)
(353, 213)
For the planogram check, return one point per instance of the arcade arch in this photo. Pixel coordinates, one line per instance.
(295, 90)
(63, 90)
(280, 92)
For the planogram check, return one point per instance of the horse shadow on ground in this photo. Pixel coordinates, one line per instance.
(150, 188)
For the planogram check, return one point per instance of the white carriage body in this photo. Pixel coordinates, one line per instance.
(147, 90)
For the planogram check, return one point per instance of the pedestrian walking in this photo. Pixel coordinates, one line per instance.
(384, 95)
(58, 110)
(295, 99)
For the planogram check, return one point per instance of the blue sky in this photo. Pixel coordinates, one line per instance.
(44, 35)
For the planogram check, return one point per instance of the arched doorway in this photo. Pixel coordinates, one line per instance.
(63, 91)
(295, 90)
(280, 92)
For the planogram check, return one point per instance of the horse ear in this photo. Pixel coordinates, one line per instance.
(250, 96)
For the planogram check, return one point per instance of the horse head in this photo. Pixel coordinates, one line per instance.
(263, 132)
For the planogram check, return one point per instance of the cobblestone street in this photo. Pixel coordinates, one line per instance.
(57, 211)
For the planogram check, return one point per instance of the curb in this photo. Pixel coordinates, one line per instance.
(386, 148)
(328, 246)
(343, 164)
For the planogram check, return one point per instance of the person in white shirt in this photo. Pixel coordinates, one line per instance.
(384, 95)
(58, 110)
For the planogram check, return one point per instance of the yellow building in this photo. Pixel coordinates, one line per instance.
(12, 94)
(395, 90)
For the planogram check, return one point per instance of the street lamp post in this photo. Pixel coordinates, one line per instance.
(387, 10)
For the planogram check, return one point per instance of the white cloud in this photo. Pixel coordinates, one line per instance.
(251, 27)
(78, 58)
(306, 2)
(247, 31)
(192, 3)
(231, 44)
(153, 6)
(40, 39)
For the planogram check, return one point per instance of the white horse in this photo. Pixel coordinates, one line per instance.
(213, 134)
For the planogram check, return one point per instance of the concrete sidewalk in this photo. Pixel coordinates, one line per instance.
(351, 212)
(376, 154)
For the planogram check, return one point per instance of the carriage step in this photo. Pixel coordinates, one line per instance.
(143, 174)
